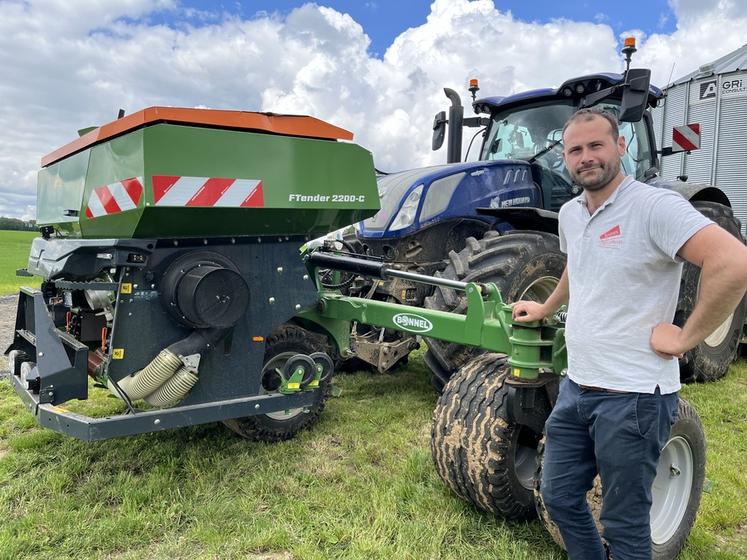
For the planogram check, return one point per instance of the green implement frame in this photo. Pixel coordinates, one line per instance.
(533, 347)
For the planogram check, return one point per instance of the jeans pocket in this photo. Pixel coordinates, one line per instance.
(647, 413)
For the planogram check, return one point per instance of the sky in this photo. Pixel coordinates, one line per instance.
(376, 68)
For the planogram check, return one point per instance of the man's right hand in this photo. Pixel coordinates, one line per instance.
(524, 311)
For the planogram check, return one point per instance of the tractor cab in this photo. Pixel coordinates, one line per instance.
(529, 126)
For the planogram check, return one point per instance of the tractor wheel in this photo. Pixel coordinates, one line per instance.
(676, 491)
(710, 359)
(285, 342)
(523, 264)
(481, 456)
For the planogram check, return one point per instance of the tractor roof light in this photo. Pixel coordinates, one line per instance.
(474, 87)
(628, 50)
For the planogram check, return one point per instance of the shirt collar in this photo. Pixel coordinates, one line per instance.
(626, 182)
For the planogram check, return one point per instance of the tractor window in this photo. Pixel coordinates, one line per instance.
(523, 133)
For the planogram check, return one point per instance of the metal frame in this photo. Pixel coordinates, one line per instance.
(86, 428)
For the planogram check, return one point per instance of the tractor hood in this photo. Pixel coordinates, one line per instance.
(411, 200)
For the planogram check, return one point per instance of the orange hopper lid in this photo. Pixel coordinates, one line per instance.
(288, 125)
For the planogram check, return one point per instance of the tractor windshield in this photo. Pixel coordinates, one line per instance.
(523, 132)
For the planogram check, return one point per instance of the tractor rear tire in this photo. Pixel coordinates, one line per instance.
(286, 341)
(677, 488)
(523, 264)
(482, 457)
(710, 359)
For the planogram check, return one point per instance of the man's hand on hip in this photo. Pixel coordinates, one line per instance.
(524, 311)
(666, 341)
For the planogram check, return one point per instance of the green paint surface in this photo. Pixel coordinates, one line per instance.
(310, 186)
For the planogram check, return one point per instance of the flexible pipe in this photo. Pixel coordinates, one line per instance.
(174, 390)
(142, 383)
(163, 369)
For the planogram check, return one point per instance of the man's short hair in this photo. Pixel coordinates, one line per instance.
(589, 113)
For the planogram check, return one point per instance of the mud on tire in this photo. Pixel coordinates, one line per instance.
(282, 425)
(710, 359)
(481, 457)
(523, 264)
(677, 488)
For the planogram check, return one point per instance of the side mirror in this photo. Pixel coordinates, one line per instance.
(554, 136)
(439, 130)
(635, 95)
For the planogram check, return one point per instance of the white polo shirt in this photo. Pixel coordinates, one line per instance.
(624, 277)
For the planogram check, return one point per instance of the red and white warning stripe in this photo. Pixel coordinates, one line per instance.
(207, 192)
(686, 138)
(115, 197)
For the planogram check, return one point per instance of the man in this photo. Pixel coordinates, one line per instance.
(625, 243)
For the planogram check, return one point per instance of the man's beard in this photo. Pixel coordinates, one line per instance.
(609, 171)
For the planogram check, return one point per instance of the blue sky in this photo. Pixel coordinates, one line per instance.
(383, 20)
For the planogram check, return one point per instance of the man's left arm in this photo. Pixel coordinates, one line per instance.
(722, 259)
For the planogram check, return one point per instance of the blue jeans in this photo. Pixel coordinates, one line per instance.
(618, 436)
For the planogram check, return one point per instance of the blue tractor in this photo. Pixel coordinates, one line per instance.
(495, 219)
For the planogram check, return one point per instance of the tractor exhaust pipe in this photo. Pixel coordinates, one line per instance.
(456, 118)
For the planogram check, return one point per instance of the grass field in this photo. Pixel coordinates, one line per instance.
(14, 254)
(360, 484)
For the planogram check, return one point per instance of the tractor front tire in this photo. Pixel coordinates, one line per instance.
(710, 359)
(523, 264)
(284, 343)
(481, 456)
(676, 491)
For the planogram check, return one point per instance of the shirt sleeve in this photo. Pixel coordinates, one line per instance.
(672, 221)
(561, 235)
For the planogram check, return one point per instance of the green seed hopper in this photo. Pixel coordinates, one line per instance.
(189, 172)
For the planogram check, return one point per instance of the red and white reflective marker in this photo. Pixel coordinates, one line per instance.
(686, 138)
(168, 190)
(115, 197)
(207, 192)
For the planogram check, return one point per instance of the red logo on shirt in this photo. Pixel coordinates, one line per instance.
(614, 232)
(611, 238)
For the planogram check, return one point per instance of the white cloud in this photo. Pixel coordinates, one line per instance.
(69, 65)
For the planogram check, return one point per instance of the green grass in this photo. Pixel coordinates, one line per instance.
(14, 254)
(360, 484)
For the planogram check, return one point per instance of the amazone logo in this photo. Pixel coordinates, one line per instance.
(413, 323)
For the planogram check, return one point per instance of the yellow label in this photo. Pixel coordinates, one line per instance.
(314, 383)
(126, 288)
(59, 409)
(517, 372)
(118, 354)
(294, 385)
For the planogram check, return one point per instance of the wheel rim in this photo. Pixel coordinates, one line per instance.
(540, 289)
(277, 363)
(525, 466)
(525, 457)
(717, 337)
(671, 489)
